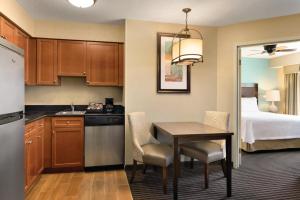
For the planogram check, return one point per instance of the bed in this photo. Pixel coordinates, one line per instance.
(265, 130)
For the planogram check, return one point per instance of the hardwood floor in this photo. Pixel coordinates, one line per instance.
(111, 185)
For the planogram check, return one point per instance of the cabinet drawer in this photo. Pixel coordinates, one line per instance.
(64, 122)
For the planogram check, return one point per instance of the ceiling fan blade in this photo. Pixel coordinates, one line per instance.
(286, 50)
(281, 48)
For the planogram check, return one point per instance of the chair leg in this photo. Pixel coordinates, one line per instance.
(145, 168)
(133, 170)
(165, 179)
(206, 175)
(192, 163)
(223, 163)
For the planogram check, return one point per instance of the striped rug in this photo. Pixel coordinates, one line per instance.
(262, 176)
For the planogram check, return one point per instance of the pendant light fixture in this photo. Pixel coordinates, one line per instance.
(82, 3)
(187, 45)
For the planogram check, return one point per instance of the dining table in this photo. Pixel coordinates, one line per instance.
(192, 131)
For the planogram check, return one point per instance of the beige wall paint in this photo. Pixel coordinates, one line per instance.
(140, 77)
(79, 31)
(17, 14)
(71, 90)
(229, 37)
(291, 59)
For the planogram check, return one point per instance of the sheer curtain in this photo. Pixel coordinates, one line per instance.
(291, 82)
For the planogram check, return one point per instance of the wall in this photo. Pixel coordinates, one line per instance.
(79, 31)
(140, 77)
(229, 37)
(71, 90)
(258, 70)
(291, 59)
(17, 14)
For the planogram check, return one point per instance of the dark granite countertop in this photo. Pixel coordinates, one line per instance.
(36, 112)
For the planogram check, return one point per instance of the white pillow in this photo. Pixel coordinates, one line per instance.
(249, 104)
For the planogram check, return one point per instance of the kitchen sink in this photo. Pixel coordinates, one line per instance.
(70, 113)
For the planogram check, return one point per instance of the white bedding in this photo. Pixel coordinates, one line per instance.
(257, 125)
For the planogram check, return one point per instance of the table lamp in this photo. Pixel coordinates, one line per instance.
(273, 95)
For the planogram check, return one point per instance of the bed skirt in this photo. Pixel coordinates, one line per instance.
(260, 145)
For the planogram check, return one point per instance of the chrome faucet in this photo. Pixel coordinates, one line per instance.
(72, 107)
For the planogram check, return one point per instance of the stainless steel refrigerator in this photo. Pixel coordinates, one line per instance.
(11, 122)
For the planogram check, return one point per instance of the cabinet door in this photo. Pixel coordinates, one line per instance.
(40, 149)
(121, 64)
(102, 64)
(67, 147)
(71, 58)
(21, 40)
(31, 166)
(26, 161)
(7, 30)
(47, 142)
(47, 62)
(30, 67)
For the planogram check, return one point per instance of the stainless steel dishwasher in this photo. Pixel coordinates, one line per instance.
(104, 141)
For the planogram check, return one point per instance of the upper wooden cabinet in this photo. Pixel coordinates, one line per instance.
(102, 64)
(47, 62)
(121, 64)
(7, 30)
(30, 66)
(71, 58)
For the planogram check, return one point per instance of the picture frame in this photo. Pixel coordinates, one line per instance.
(170, 78)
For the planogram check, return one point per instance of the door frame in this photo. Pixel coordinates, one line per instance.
(238, 82)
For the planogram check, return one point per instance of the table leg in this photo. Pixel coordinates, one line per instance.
(176, 160)
(155, 132)
(228, 164)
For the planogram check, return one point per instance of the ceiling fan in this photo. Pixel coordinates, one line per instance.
(271, 49)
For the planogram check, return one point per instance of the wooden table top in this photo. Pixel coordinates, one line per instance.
(190, 129)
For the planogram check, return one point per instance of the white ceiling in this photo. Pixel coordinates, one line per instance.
(204, 12)
(255, 51)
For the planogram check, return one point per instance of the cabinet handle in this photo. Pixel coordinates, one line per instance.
(28, 142)
(84, 73)
(53, 132)
(3, 36)
(38, 136)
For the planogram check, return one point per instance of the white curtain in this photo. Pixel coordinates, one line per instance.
(291, 82)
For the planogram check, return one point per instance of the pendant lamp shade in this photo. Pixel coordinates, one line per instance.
(187, 45)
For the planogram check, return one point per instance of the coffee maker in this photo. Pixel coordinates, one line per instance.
(109, 105)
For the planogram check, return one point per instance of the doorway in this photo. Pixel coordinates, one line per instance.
(265, 74)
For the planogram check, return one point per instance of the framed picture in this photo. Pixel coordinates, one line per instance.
(170, 78)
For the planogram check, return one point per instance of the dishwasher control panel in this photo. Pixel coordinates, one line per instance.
(98, 120)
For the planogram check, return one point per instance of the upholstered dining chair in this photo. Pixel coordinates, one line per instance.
(146, 149)
(208, 151)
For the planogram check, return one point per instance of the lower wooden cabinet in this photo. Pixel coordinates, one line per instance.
(67, 142)
(34, 151)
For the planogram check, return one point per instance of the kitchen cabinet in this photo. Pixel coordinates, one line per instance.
(30, 66)
(7, 30)
(22, 40)
(102, 64)
(67, 142)
(48, 143)
(34, 151)
(121, 65)
(71, 58)
(47, 62)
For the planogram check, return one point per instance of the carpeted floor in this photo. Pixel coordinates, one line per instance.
(262, 176)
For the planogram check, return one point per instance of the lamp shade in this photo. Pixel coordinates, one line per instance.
(273, 95)
(82, 3)
(187, 51)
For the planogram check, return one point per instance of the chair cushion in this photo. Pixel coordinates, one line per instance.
(205, 151)
(157, 154)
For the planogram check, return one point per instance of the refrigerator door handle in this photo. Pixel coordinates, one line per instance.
(11, 117)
